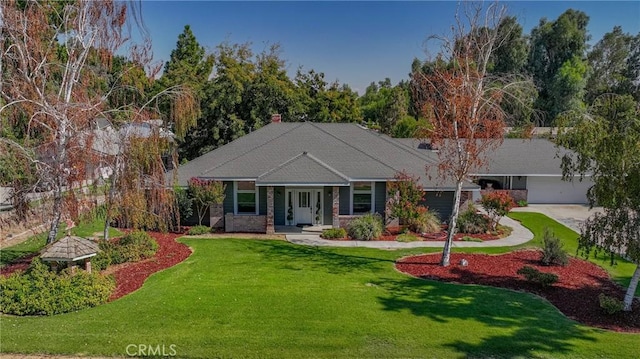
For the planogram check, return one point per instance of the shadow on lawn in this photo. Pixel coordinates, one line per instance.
(296, 257)
(533, 326)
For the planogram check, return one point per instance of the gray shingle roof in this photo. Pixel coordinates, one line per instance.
(305, 167)
(70, 248)
(517, 157)
(337, 153)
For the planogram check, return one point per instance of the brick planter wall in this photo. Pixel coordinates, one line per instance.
(245, 223)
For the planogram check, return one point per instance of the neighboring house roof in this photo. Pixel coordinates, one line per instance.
(306, 153)
(107, 140)
(515, 157)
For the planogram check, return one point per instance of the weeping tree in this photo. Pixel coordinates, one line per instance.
(56, 58)
(463, 101)
(606, 144)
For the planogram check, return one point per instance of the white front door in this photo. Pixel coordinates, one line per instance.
(303, 207)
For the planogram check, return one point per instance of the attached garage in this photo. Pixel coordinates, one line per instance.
(552, 189)
(440, 202)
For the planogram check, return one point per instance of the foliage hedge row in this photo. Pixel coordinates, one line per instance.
(40, 291)
(133, 247)
(197, 230)
(334, 233)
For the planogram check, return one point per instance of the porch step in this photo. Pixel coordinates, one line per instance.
(314, 229)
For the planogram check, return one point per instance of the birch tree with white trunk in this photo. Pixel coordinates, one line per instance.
(463, 101)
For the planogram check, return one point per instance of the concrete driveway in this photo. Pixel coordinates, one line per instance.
(571, 215)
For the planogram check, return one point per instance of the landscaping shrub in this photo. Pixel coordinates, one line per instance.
(610, 305)
(334, 233)
(197, 230)
(533, 275)
(472, 222)
(408, 237)
(133, 247)
(522, 203)
(426, 222)
(553, 252)
(40, 291)
(137, 245)
(365, 228)
(497, 204)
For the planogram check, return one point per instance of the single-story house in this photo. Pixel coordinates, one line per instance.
(311, 173)
(530, 169)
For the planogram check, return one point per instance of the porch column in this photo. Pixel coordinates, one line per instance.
(335, 207)
(270, 227)
(87, 265)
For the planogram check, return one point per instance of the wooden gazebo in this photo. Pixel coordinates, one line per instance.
(71, 249)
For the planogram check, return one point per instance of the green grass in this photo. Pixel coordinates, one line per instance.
(36, 243)
(271, 299)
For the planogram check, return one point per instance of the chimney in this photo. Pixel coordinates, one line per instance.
(276, 118)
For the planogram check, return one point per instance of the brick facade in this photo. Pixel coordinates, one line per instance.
(245, 223)
(269, 220)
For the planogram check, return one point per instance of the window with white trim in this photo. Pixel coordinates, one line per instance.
(362, 197)
(246, 196)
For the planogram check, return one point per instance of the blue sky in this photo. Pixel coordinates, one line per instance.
(352, 42)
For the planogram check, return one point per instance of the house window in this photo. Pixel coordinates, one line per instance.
(246, 197)
(362, 197)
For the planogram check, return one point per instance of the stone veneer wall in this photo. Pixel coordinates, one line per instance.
(516, 194)
(245, 223)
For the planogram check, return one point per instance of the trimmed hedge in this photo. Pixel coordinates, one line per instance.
(40, 291)
(334, 233)
(197, 230)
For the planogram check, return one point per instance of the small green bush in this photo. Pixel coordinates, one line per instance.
(610, 305)
(365, 228)
(472, 222)
(334, 233)
(408, 237)
(535, 276)
(522, 203)
(197, 230)
(426, 222)
(553, 252)
(470, 239)
(137, 245)
(40, 291)
(133, 247)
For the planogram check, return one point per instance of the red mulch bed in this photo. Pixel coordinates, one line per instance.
(20, 265)
(131, 276)
(575, 294)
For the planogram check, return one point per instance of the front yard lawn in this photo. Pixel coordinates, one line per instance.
(244, 298)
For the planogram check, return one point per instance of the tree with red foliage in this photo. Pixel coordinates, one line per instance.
(497, 204)
(205, 193)
(405, 195)
(462, 100)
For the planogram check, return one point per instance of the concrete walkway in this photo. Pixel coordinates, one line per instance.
(571, 215)
(518, 236)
